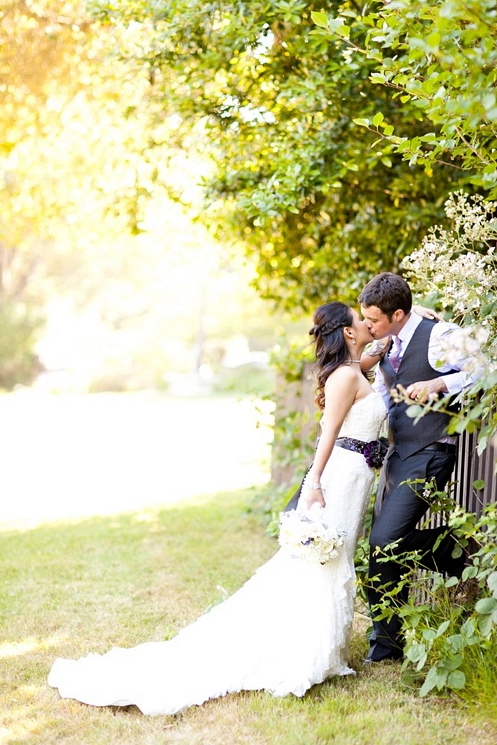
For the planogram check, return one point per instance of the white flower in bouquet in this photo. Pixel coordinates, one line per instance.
(307, 537)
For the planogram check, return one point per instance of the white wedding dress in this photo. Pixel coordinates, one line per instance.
(286, 629)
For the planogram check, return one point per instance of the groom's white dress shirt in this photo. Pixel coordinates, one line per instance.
(437, 353)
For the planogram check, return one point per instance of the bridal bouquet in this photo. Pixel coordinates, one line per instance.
(305, 536)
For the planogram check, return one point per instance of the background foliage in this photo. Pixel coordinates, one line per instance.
(318, 205)
(103, 274)
(334, 135)
(438, 56)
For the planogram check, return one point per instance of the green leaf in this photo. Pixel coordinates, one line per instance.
(343, 31)
(443, 628)
(429, 634)
(337, 26)
(416, 652)
(455, 642)
(421, 662)
(435, 678)
(377, 119)
(451, 581)
(433, 41)
(451, 663)
(486, 605)
(457, 551)
(456, 680)
(485, 624)
(492, 583)
(377, 77)
(320, 19)
(478, 484)
(414, 411)
(469, 572)
(469, 632)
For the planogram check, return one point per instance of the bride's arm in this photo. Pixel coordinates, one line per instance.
(370, 357)
(340, 392)
(377, 350)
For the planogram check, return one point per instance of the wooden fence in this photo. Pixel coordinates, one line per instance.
(470, 467)
(294, 397)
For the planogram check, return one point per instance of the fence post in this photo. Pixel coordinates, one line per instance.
(471, 467)
(295, 427)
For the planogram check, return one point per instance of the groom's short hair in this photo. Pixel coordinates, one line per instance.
(388, 292)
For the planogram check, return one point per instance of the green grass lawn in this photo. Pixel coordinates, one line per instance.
(72, 588)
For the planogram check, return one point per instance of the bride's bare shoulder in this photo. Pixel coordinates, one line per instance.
(343, 376)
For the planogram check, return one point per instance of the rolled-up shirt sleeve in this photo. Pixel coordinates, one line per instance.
(457, 382)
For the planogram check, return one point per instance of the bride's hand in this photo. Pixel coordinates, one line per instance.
(313, 496)
(427, 312)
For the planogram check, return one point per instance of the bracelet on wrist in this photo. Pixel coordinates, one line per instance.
(314, 486)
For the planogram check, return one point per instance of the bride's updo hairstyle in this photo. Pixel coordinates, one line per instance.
(331, 349)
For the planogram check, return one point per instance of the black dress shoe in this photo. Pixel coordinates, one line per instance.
(392, 657)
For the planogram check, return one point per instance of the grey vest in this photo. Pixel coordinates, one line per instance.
(408, 436)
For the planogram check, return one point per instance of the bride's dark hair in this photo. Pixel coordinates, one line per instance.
(330, 347)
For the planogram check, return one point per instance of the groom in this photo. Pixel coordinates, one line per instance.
(422, 450)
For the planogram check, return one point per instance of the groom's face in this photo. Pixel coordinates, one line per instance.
(379, 324)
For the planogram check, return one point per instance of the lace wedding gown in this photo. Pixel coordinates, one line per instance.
(286, 629)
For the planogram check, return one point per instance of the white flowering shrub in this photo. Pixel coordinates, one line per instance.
(467, 344)
(456, 268)
(449, 637)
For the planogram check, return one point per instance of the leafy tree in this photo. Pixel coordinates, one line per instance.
(441, 57)
(320, 204)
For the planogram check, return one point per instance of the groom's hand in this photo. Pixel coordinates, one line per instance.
(426, 390)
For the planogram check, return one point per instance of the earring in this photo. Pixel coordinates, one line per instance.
(353, 341)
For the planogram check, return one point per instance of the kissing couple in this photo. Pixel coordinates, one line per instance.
(289, 626)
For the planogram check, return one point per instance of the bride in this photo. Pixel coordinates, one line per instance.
(288, 627)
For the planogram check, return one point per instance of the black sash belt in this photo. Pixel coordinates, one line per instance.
(373, 451)
(349, 443)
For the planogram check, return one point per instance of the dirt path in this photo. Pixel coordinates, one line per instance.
(66, 456)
